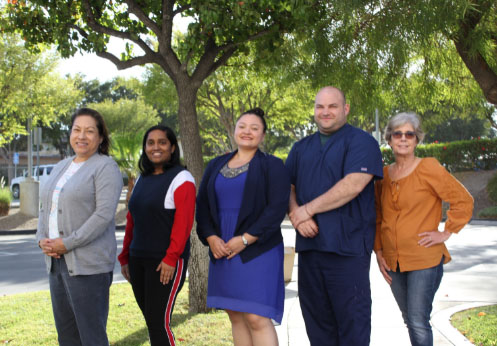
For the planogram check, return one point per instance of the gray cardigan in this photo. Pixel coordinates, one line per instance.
(86, 210)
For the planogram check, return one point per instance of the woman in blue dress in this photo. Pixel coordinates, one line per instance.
(241, 203)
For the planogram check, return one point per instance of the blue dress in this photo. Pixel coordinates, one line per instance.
(256, 286)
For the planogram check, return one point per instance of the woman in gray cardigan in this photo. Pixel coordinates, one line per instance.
(76, 232)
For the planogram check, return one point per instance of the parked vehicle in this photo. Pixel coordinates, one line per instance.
(40, 173)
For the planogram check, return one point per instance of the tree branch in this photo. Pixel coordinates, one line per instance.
(184, 65)
(181, 9)
(167, 23)
(208, 62)
(92, 23)
(137, 11)
(122, 65)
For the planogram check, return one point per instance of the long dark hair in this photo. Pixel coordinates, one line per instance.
(258, 112)
(145, 165)
(103, 148)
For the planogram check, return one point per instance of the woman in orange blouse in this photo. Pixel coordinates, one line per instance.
(409, 247)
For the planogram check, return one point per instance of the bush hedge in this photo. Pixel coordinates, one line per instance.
(5, 196)
(492, 188)
(488, 213)
(457, 156)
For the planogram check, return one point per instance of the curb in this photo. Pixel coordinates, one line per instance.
(441, 321)
(476, 222)
(483, 222)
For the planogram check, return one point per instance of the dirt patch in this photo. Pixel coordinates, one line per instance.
(19, 221)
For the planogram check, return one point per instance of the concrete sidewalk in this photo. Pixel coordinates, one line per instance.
(469, 280)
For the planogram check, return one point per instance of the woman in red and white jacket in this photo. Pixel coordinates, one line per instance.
(156, 244)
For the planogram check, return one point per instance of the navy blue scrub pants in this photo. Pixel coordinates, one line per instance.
(335, 298)
(80, 305)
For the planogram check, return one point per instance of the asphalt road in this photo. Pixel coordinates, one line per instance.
(22, 266)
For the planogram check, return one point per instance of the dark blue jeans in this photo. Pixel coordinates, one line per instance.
(80, 306)
(414, 292)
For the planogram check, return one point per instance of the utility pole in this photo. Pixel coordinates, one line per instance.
(377, 131)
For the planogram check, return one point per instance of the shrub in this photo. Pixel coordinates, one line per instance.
(457, 156)
(488, 213)
(5, 196)
(492, 188)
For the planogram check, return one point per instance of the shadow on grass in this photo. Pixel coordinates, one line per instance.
(141, 336)
(137, 338)
(179, 318)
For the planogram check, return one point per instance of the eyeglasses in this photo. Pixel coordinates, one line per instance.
(407, 134)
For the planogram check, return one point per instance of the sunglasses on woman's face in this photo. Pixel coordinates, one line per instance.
(407, 134)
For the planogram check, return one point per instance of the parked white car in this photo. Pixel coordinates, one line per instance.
(40, 174)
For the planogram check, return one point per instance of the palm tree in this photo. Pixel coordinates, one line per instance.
(126, 150)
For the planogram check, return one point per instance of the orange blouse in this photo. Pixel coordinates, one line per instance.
(413, 205)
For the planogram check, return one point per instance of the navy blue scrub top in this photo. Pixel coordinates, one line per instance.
(315, 168)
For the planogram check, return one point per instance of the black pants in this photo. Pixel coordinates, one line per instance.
(156, 300)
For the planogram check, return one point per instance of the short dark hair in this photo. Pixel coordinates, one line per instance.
(145, 165)
(103, 148)
(258, 112)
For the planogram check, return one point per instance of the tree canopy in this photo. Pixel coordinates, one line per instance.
(29, 88)
(125, 117)
(404, 55)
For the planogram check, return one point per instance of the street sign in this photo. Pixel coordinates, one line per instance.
(15, 159)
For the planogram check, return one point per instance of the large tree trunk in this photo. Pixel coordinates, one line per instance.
(475, 61)
(481, 71)
(190, 139)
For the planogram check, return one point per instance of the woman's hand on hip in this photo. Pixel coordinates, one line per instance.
(218, 247)
(125, 272)
(384, 268)
(432, 238)
(166, 272)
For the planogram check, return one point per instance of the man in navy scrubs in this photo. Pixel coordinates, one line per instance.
(332, 209)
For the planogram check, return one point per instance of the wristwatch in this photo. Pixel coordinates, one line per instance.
(245, 241)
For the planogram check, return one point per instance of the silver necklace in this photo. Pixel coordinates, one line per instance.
(233, 172)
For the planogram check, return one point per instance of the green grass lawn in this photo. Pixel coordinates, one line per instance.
(478, 325)
(26, 319)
